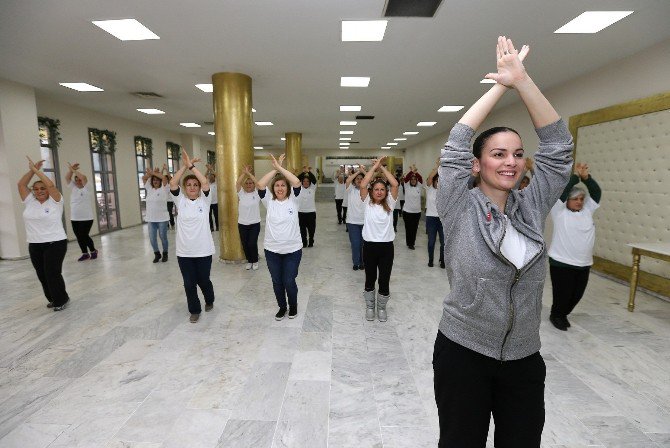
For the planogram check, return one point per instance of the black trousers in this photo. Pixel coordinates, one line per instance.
(307, 223)
(170, 207)
(338, 207)
(396, 214)
(47, 259)
(411, 226)
(344, 213)
(213, 210)
(469, 387)
(378, 257)
(81, 230)
(249, 237)
(568, 286)
(195, 272)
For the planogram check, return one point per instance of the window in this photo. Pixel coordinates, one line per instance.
(49, 139)
(173, 155)
(102, 145)
(143, 158)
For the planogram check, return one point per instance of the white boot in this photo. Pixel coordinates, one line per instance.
(381, 306)
(369, 297)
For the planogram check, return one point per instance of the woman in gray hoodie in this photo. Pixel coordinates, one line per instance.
(486, 358)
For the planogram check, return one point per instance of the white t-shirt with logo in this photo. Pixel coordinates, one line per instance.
(355, 210)
(413, 198)
(340, 189)
(80, 203)
(378, 225)
(282, 232)
(574, 233)
(156, 202)
(306, 199)
(194, 239)
(431, 197)
(43, 221)
(213, 194)
(249, 210)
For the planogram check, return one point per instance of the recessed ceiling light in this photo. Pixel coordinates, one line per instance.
(345, 138)
(354, 81)
(190, 125)
(450, 108)
(151, 111)
(590, 22)
(344, 145)
(392, 144)
(126, 29)
(426, 123)
(209, 88)
(487, 81)
(363, 30)
(350, 108)
(81, 87)
(211, 133)
(253, 110)
(258, 147)
(410, 133)
(399, 139)
(264, 123)
(347, 123)
(346, 132)
(283, 139)
(386, 147)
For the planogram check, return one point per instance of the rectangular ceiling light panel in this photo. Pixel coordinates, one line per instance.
(211, 133)
(347, 123)
(126, 29)
(363, 30)
(190, 125)
(258, 147)
(81, 87)
(345, 139)
(346, 132)
(426, 123)
(410, 133)
(354, 81)
(350, 108)
(487, 81)
(151, 111)
(209, 88)
(264, 123)
(450, 108)
(590, 22)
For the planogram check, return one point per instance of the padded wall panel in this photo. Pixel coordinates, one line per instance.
(630, 159)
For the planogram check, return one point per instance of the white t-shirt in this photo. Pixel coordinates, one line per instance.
(194, 239)
(574, 233)
(514, 245)
(306, 199)
(401, 190)
(340, 189)
(80, 203)
(345, 199)
(43, 221)
(157, 202)
(355, 210)
(249, 210)
(378, 225)
(413, 198)
(213, 194)
(282, 232)
(431, 205)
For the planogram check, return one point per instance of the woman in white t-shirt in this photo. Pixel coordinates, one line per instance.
(283, 245)
(195, 245)
(340, 191)
(378, 236)
(47, 242)
(411, 212)
(81, 211)
(249, 216)
(433, 223)
(155, 185)
(571, 249)
(307, 211)
(356, 217)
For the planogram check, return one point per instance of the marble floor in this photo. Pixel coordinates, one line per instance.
(123, 367)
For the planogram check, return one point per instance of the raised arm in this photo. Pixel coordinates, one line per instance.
(147, 174)
(290, 177)
(433, 173)
(70, 172)
(176, 177)
(392, 181)
(376, 163)
(594, 189)
(36, 169)
(22, 184)
(190, 163)
(352, 176)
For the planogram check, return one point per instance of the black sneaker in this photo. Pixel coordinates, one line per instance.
(558, 323)
(292, 312)
(430, 264)
(165, 257)
(50, 305)
(442, 264)
(62, 307)
(208, 307)
(311, 244)
(566, 321)
(280, 314)
(411, 247)
(355, 267)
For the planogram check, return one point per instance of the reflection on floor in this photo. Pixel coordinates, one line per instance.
(123, 367)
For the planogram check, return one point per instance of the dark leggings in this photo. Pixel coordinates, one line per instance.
(47, 259)
(469, 387)
(411, 226)
(338, 207)
(378, 256)
(170, 207)
(568, 285)
(249, 238)
(195, 272)
(81, 230)
(344, 214)
(307, 223)
(214, 210)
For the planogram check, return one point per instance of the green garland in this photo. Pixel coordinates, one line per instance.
(148, 146)
(111, 139)
(53, 126)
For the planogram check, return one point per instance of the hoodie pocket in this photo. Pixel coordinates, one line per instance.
(489, 310)
(527, 307)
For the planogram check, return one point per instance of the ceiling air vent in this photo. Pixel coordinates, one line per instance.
(147, 95)
(365, 117)
(411, 8)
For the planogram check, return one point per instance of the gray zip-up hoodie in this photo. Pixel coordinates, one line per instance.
(494, 308)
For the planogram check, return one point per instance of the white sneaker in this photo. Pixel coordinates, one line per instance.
(254, 266)
(248, 266)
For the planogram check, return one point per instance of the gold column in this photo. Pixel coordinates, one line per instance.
(390, 164)
(294, 152)
(234, 140)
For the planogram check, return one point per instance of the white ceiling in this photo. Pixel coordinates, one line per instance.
(293, 52)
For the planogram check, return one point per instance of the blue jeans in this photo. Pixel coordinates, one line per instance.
(195, 272)
(284, 270)
(161, 227)
(356, 240)
(433, 228)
